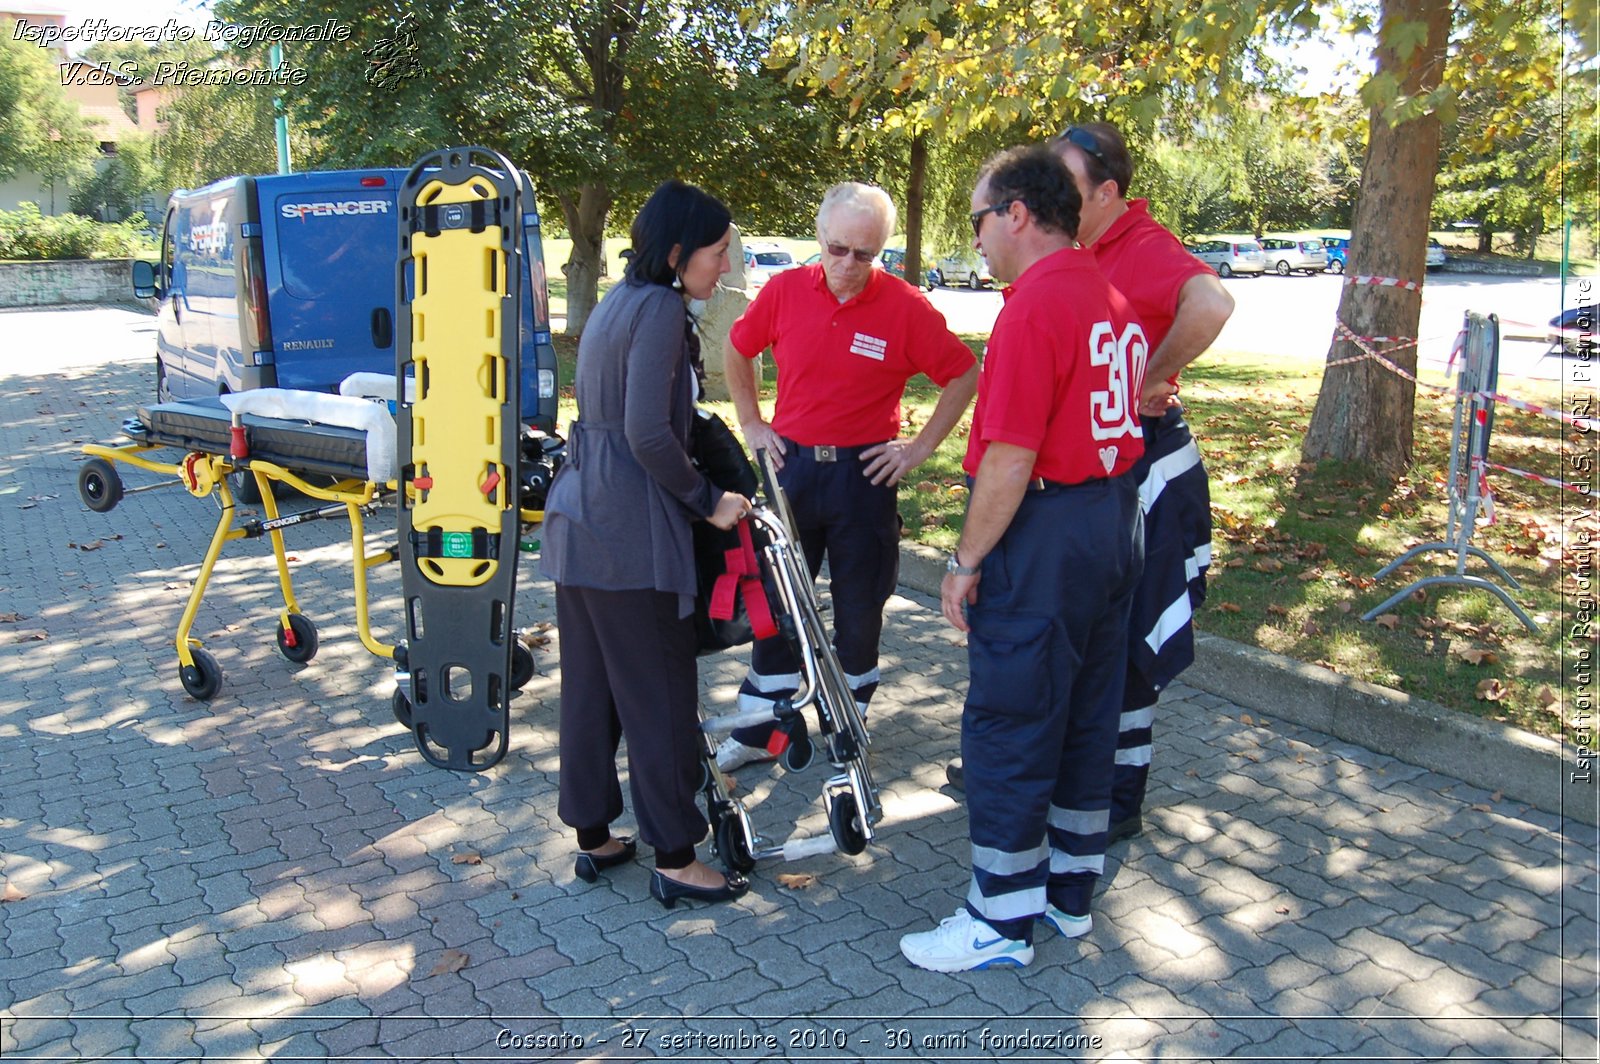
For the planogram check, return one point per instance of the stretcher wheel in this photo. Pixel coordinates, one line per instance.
(797, 756)
(521, 665)
(100, 485)
(400, 706)
(305, 639)
(844, 819)
(733, 846)
(203, 679)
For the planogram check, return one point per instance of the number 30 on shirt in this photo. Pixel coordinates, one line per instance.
(1113, 410)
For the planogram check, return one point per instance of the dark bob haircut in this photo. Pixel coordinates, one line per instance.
(675, 215)
(1037, 177)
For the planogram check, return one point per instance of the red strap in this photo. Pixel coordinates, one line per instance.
(742, 574)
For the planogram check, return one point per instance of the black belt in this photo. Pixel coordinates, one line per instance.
(827, 452)
(1041, 484)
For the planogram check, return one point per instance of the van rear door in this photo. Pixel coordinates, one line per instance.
(330, 241)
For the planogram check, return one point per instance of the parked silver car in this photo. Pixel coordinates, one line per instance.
(1436, 256)
(1231, 255)
(1286, 255)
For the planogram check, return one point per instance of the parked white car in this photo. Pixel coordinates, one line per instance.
(962, 268)
(762, 261)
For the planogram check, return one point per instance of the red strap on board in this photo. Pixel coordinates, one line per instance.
(742, 575)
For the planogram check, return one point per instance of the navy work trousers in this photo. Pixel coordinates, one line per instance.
(1048, 651)
(854, 524)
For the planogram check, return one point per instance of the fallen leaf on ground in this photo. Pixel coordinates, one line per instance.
(452, 961)
(1310, 628)
(1547, 697)
(95, 545)
(1282, 910)
(1246, 719)
(36, 635)
(1496, 796)
(1480, 807)
(1390, 621)
(1228, 607)
(1490, 690)
(1268, 565)
(1277, 610)
(797, 880)
(1474, 656)
(11, 893)
(467, 858)
(13, 618)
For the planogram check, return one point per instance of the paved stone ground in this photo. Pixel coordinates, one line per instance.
(276, 875)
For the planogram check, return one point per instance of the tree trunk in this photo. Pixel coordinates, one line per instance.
(914, 184)
(1365, 411)
(586, 222)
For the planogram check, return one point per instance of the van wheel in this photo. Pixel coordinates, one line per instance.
(1224, 270)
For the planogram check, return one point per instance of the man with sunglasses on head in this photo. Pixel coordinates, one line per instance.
(1044, 575)
(1183, 306)
(846, 337)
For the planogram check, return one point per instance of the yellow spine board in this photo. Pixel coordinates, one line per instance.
(461, 381)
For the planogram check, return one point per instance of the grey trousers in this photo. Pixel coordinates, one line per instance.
(628, 670)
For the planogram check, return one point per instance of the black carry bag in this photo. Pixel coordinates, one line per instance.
(720, 456)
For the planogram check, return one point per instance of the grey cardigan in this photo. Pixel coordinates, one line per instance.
(618, 515)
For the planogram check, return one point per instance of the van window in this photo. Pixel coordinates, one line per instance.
(332, 243)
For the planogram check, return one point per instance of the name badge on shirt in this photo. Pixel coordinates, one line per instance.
(870, 346)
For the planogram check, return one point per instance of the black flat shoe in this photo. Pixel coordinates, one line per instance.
(588, 866)
(669, 891)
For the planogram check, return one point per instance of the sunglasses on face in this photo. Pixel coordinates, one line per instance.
(976, 217)
(1082, 138)
(839, 251)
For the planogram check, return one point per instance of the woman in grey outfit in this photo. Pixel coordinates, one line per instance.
(618, 545)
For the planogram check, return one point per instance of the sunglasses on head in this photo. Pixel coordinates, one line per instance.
(839, 251)
(1082, 138)
(976, 217)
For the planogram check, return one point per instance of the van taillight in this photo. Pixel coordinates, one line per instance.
(373, 182)
(255, 297)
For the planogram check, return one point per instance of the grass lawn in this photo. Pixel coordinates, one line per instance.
(1295, 548)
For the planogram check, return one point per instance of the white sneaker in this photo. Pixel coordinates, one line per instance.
(732, 754)
(1065, 923)
(961, 944)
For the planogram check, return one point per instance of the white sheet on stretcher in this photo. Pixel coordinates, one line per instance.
(322, 408)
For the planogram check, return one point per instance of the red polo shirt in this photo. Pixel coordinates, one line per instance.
(843, 367)
(1146, 263)
(1062, 373)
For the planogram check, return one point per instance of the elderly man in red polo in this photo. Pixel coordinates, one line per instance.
(846, 337)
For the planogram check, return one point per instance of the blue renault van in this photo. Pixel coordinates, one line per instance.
(289, 281)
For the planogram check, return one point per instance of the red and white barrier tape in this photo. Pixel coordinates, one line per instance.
(1524, 474)
(1382, 282)
(1533, 408)
(1400, 343)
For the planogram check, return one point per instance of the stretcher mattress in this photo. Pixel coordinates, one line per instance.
(298, 446)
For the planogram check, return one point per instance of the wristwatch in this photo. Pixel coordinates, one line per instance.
(953, 565)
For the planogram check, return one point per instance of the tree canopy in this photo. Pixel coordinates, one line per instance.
(40, 128)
